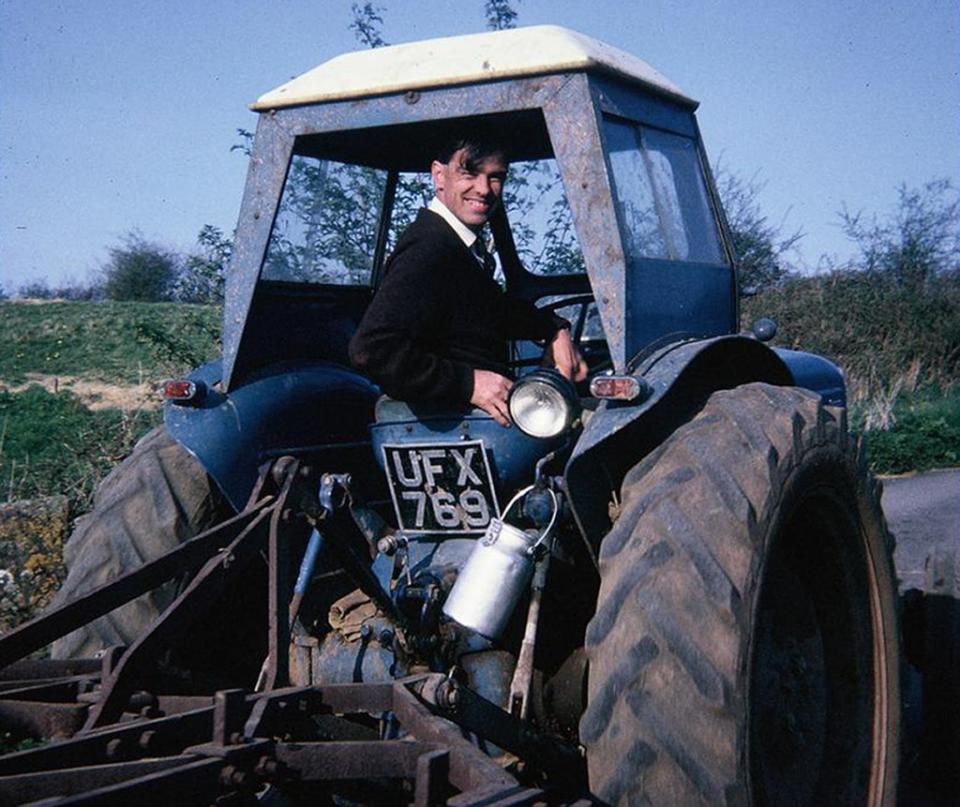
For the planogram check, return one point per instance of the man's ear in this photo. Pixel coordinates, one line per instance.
(436, 171)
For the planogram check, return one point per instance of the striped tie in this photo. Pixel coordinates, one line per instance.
(487, 261)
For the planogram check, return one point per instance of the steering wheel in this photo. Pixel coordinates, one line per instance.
(596, 355)
(583, 303)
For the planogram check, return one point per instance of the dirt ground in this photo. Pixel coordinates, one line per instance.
(94, 394)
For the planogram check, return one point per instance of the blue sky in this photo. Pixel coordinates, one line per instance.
(120, 114)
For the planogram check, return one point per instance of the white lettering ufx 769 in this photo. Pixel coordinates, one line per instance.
(441, 488)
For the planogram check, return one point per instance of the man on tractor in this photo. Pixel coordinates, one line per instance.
(437, 326)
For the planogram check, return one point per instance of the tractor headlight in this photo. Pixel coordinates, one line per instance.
(544, 403)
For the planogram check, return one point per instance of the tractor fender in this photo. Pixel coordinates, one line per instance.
(680, 378)
(283, 409)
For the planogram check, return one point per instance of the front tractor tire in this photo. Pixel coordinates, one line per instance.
(744, 649)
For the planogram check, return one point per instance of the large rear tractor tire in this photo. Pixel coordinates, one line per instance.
(156, 499)
(745, 647)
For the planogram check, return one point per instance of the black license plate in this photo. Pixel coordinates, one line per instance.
(441, 488)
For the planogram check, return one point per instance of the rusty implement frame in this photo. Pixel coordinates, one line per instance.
(118, 732)
(251, 742)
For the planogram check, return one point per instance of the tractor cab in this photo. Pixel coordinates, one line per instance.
(609, 193)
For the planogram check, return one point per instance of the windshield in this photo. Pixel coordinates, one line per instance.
(540, 219)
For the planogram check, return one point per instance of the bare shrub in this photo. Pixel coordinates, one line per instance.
(762, 248)
(140, 271)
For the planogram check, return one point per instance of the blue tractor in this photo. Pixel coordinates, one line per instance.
(670, 584)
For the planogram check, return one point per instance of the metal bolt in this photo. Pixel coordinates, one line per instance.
(114, 748)
(232, 776)
(148, 740)
(281, 468)
(390, 544)
(448, 694)
(267, 767)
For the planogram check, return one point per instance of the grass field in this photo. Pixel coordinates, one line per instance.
(77, 387)
(924, 434)
(118, 343)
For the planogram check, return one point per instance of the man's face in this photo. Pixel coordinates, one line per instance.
(471, 195)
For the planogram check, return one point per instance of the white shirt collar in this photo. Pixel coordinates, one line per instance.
(466, 235)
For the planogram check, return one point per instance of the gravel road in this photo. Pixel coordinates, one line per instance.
(922, 511)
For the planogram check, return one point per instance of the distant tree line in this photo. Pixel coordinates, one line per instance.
(141, 270)
(918, 241)
(914, 244)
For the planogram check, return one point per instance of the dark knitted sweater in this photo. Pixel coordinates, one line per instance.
(437, 316)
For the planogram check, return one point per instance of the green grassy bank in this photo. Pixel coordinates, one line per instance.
(898, 342)
(51, 440)
(121, 343)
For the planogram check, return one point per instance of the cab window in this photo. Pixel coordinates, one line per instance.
(326, 226)
(541, 220)
(661, 194)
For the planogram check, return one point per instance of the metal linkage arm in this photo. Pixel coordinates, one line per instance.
(200, 594)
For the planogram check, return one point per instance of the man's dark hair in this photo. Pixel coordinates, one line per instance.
(476, 148)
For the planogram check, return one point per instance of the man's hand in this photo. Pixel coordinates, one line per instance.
(490, 392)
(565, 356)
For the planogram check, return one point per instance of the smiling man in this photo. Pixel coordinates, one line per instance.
(438, 326)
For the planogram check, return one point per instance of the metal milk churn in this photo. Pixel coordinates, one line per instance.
(496, 574)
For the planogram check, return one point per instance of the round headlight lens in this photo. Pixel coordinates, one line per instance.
(543, 404)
